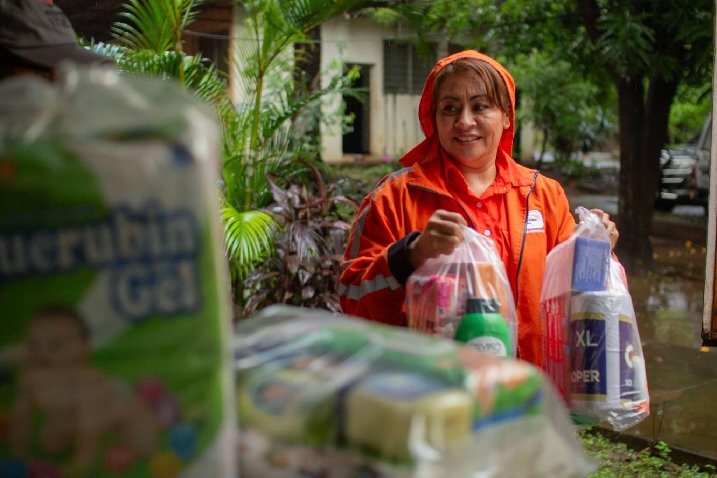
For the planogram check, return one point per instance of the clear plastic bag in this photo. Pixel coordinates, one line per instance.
(438, 292)
(334, 396)
(591, 344)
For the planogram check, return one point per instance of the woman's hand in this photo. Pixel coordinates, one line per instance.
(609, 226)
(442, 234)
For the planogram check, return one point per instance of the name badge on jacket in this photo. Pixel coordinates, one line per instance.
(535, 221)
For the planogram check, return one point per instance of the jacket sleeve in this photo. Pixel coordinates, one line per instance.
(376, 266)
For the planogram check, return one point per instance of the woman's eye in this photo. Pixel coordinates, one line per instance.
(449, 109)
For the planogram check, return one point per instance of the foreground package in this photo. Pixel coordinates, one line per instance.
(114, 360)
(334, 396)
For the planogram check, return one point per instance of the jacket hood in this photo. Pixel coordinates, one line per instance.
(430, 146)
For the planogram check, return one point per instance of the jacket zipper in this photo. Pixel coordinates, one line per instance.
(525, 233)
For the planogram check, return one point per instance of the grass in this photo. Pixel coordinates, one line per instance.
(361, 177)
(370, 172)
(617, 459)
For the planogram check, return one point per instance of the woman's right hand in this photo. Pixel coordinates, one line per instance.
(442, 235)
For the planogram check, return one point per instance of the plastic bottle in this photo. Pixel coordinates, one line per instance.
(484, 328)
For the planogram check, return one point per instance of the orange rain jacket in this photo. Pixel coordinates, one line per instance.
(376, 264)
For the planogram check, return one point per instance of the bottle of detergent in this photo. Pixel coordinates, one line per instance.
(484, 328)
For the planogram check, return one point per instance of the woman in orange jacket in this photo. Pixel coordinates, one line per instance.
(461, 174)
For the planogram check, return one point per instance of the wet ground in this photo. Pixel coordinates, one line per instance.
(682, 379)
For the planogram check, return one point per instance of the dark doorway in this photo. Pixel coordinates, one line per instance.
(357, 141)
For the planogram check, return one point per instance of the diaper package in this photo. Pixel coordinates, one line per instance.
(114, 357)
(335, 396)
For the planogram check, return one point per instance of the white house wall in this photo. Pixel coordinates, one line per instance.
(238, 34)
(394, 126)
(242, 45)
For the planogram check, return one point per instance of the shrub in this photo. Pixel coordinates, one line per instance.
(306, 264)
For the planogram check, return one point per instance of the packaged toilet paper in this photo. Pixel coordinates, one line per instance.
(114, 359)
(591, 343)
(607, 363)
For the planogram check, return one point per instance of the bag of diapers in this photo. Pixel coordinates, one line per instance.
(591, 345)
(114, 311)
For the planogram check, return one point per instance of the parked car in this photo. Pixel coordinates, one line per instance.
(684, 173)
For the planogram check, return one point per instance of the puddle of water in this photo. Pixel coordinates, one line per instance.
(682, 380)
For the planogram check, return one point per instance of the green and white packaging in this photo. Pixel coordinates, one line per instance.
(114, 303)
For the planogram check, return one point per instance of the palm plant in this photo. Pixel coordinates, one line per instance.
(259, 132)
(148, 41)
(155, 26)
(271, 143)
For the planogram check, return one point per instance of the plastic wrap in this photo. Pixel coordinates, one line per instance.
(591, 345)
(437, 293)
(114, 345)
(333, 396)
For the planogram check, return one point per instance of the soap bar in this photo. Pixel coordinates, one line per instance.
(390, 413)
(287, 404)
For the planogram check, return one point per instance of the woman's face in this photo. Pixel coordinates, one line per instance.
(469, 127)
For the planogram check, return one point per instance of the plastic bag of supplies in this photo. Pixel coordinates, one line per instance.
(591, 344)
(333, 396)
(465, 296)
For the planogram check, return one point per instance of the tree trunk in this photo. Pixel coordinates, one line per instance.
(307, 79)
(643, 131)
(307, 57)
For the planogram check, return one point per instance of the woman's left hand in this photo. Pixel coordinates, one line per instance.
(610, 226)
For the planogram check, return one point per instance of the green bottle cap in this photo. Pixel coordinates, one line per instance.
(484, 328)
(480, 305)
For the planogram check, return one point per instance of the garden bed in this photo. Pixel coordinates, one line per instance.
(620, 455)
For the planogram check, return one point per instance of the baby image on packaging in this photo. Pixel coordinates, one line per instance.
(79, 406)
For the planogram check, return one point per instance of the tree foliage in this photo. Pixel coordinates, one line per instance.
(571, 121)
(648, 50)
(155, 26)
(691, 107)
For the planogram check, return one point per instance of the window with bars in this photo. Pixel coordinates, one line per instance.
(405, 68)
(215, 46)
